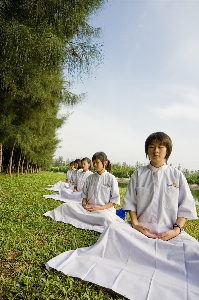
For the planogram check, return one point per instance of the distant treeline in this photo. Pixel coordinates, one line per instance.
(123, 170)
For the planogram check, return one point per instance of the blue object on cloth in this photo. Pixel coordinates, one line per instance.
(121, 213)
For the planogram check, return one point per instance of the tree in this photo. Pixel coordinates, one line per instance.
(38, 39)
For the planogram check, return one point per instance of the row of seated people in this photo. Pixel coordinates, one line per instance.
(89, 197)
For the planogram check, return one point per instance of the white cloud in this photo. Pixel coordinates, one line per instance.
(186, 105)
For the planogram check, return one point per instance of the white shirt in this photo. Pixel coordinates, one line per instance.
(81, 178)
(159, 195)
(74, 175)
(69, 175)
(101, 189)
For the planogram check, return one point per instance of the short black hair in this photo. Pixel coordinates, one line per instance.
(162, 138)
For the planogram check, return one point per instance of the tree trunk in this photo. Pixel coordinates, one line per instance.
(11, 157)
(1, 150)
(22, 163)
(19, 163)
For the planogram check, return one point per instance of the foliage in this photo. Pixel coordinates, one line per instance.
(120, 171)
(192, 177)
(38, 41)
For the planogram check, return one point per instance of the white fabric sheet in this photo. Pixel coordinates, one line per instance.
(60, 185)
(76, 197)
(135, 266)
(74, 214)
(99, 190)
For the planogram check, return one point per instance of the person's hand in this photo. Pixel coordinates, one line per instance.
(168, 235)
(146, 231)
(92, 208)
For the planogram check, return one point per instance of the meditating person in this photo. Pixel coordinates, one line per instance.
(67, 192)
(70, 172)
(78, 167)
(76, 194)
(151, 257)
(83, 173)
(100, 193)
(70, 177)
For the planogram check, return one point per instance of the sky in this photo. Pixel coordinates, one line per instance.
(148, 81)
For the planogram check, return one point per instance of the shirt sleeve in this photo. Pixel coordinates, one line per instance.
(186, 204)
(114, 193)
(130, 199)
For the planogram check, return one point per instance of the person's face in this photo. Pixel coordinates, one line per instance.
(157, 153)
(98, 166)
(75, 165)
(85, 165)
(72, 167)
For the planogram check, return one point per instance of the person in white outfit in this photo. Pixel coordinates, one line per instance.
(100, 193)
(70, 172)
(82, 174)
(78, 166)
(101, 190)
(151, 257)
(79, 180)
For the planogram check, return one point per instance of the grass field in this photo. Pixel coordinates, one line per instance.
(28, 240)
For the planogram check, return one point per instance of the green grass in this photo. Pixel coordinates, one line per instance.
(28, 240)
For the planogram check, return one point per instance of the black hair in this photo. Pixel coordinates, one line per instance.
(102, 157)
(88, 160)
(71, 163)
(162, 138)
(78, 161)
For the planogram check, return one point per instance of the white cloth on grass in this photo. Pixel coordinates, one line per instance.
(66, 195)
(60, 185)
(66, 191)
(74, 214)
(98, 190)
(135, 266)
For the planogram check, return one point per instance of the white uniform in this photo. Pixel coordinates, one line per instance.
(99, 190)
(81, 178)
(69, 175)
(74, 175)
(133, 265)
(159, 196)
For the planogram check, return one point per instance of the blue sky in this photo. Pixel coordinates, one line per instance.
(148, 81)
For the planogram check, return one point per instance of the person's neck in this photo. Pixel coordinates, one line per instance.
(157, 165)
(101, 172)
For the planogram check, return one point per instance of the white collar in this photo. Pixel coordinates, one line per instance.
(154, 169)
